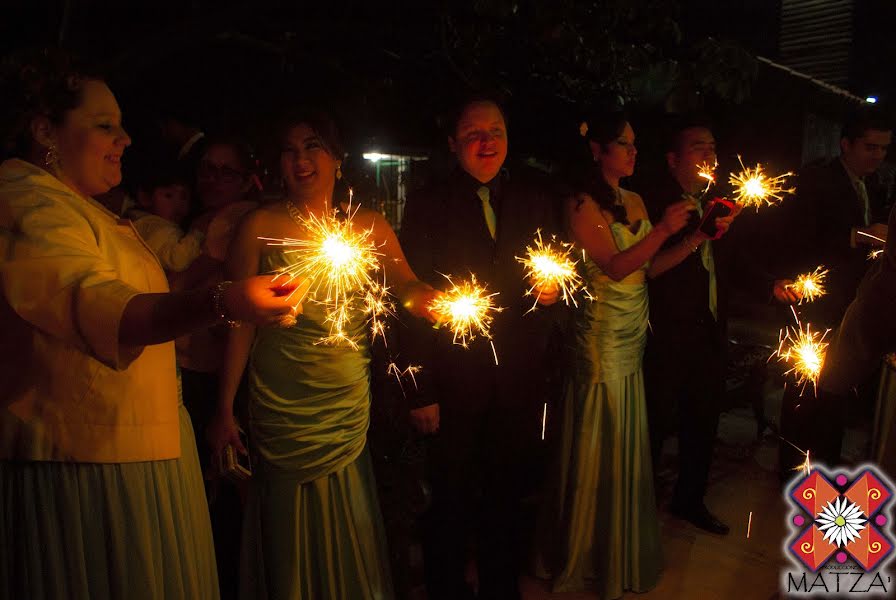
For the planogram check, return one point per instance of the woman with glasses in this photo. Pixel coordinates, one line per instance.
(313, 527)
(603, 518)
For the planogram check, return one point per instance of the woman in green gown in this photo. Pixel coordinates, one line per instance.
(313, 528)
(604, 515)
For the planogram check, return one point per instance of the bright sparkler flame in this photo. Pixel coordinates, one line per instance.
(874, 254)
(467, 310)
(752, 187)
(339, 262)
(804, 350)
(810, 286)
(806, 465)
(708, 172)
(549, 267)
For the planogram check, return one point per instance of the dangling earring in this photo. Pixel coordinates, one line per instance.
(51, 159)
(339, 170)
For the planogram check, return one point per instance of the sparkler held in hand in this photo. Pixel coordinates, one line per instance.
(753, 187)
(707, 171)
(339, 263)
(810, 286)
(549, 267)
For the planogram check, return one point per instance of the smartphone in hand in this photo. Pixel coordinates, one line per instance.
(235, 465)
(715, 209)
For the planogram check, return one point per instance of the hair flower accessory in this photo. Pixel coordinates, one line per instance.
(583, 128)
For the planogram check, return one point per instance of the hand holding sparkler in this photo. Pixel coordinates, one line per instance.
(263, 299)
(418, 299)
(675, 217)
(783, 291)
(550, 272)
(810, 286)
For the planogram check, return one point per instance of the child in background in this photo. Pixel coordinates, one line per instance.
(163, 204)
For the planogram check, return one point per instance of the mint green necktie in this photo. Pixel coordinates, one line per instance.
(709, 264)
(490, 219)
(862, 191)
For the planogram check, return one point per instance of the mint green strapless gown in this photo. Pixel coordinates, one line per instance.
(604, 516)
(313, 527)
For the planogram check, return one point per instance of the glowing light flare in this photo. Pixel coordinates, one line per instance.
(544, 419)
(810, 286)
(749, 524)
(466, 309)
(753, 187)
(339, 262)
(804, 350)
(708, 172)
(550, 266)
(874, 254)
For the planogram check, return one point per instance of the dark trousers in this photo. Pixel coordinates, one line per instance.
(200, 393)
(684, 383)
(479, 466)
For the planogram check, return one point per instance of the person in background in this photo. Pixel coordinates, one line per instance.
(836, 218)
(102, 493)
(164, 204)
(483, 420)
(684, 363)
(313, 527)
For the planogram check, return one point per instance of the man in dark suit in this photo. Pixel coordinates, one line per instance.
(836, 218)
(484, 419)
(684, 363)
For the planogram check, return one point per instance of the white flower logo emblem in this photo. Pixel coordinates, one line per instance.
(841, 522)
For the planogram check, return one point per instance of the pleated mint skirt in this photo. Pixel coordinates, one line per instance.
(72, 531)
(319, 540)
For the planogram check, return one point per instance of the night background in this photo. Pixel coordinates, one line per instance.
(776, 77)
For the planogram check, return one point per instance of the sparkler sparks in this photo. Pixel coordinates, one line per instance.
(752, 187)
(339, 262)
(549, 267)
(467, 310)
(874, 254)
(410, 371)
(708, 172)
(810, 286)
(804, 351)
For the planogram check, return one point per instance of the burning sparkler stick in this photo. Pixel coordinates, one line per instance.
(804, 350)
(467, 310)
(544, 419)
(339, 262)
(393, 369)
(749, 524)
(874, 254)
(752, 187)
(548, 267)
(708, 172)
(810, 286)
(873, 237)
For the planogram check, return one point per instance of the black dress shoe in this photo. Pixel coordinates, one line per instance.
(700, 516)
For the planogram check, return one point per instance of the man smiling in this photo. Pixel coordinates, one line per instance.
(483, 419)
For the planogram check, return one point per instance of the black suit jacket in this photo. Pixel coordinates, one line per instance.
(444, 232)
(816, 232)
(679, 298)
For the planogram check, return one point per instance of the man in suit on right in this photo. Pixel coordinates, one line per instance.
(837, 216)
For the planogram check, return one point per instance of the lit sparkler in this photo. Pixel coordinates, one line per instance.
(874, 254)
(410, 371)
(708, 172)
(548, 266)
(810, 286)
(753, 187)
(339, 263)
(544, 419)
(804, 350)
(873, 237)
(467, 310)
(749, 524)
